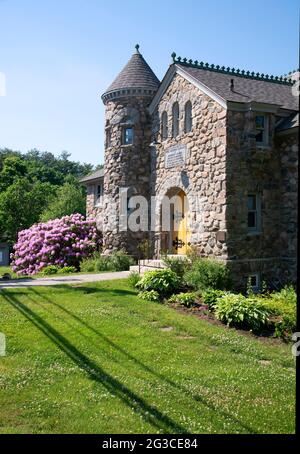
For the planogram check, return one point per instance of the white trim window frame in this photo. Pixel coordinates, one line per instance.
(253, 213)
(262, 130)
(98, 194)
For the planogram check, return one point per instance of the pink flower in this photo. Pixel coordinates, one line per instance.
(62, 242)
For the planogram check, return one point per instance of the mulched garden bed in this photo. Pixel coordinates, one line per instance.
(198, 311)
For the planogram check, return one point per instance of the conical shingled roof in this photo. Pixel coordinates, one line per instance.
(136, 74)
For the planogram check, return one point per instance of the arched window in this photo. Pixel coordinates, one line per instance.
(188, 116)
(175, 119)
(164, 125)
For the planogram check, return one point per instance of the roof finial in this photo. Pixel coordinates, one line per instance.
(137, 46)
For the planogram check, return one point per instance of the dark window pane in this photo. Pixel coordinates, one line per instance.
(175, 114)
(128, 136)
(253, 281)
(259, 122)
(259, 137)
(251, 202)
(164, 127)
(188, 117)
(251, 219)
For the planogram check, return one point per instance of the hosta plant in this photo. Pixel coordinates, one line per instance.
(149, 295)
(185, 299)
(237, 310)
(163, 281)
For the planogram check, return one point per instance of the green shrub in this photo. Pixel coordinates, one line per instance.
(67, 270)
(145, 249)
(120, 261)
(282, 309)
(149, 295)
(209, 297)
(117, 261)
(179, 266)
(133, 279)
(87, 265)
(241, 312)
(164, 281)
(101, 264)
(193, 253)
(206, 274)
(48, 270)
(185, 299)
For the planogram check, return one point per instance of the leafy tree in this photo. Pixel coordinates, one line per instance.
(68, 199)
(30, 182)
(13, 167)
(44, 166)
(21, 205)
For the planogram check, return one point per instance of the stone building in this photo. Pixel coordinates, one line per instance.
(94, 196)
(222, 141)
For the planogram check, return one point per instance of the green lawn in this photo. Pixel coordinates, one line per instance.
(8, 269)
(96, 359)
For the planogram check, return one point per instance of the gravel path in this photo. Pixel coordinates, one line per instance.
(58, 280)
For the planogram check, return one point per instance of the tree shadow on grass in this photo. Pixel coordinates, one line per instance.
(150, 413)
(144, 366)
(91, 289)
(117, 292)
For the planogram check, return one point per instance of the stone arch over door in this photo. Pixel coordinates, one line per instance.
(176, 185)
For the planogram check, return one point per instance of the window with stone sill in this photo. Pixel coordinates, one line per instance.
(164, 125)
(98, 194)
(188, 117)
(127, 135)
(254, 213)
(261, 130)
(175, 119)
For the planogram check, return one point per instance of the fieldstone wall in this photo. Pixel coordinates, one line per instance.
(203, 176)
(287, 144)
(126, 166)
(251, 169)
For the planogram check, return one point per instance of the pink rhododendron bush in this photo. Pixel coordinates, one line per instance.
(61, 242)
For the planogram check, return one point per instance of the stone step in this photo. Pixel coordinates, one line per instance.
(152, 264)
(156, 263)
(142, 269)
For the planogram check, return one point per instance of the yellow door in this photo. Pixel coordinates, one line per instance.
(181, 235)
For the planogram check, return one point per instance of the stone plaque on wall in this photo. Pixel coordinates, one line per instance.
(175, 156)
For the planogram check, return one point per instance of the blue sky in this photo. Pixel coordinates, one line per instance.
(59, 56)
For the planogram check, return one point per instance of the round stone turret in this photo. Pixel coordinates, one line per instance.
(127, 151)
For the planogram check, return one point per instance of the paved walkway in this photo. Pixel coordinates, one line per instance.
(59, 280)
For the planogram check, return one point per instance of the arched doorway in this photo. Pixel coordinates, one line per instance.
(175, 231)
(180, 224)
